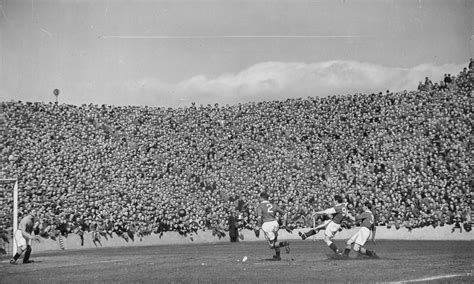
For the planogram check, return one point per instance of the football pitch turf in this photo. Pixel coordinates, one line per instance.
(309, 262)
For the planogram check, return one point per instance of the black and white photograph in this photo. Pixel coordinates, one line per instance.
(236, 141)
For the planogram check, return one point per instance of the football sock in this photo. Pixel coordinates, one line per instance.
(27, 254)
(277, 252)
(282, 244)
(368, 252)
(310, 233)
(17, 256)
(333, 247)
(347, 251)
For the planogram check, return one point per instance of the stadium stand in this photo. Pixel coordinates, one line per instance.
(129, 170)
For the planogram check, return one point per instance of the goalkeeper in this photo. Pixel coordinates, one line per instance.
(23, 237)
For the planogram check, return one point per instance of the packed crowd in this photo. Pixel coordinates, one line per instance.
(129, 170)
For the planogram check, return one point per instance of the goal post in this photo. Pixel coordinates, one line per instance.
(8, 215)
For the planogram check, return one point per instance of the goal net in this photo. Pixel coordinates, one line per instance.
(8, 215)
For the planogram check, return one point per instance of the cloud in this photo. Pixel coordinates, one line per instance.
(282, 80)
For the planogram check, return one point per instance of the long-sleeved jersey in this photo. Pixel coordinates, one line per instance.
(26, 226)
(367, 219)
(267, 211)
(338, 212)
(341, 213)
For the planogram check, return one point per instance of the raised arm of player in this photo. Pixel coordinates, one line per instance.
(328, 211)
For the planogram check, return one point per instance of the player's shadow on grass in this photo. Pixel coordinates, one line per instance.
(31, 263)
(275, 260)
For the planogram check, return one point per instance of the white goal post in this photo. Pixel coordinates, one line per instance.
(14, 211)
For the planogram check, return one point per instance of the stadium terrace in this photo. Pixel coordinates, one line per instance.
(130, 170)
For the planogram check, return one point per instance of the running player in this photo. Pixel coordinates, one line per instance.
(23, 237)
(367, 228)
(268, 222)
(339, 213)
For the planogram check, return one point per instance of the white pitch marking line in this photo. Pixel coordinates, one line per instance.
(228, 36)
(76, 264)
(106, 261)
(432, 278)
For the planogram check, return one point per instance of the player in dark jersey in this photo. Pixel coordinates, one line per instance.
(367, 228)
(339, 213)
(268, 222)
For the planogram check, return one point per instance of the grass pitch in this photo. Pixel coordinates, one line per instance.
(309, 262)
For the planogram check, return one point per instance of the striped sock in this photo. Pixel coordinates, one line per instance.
(61, 242)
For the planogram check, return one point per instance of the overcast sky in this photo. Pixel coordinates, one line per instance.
(172, 53)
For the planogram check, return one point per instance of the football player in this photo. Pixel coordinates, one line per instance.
(331, 227)
(367, 228)
(268, 222)
(23, 237)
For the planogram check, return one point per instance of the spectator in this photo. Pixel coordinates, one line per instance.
(131, 169)
(233, 227)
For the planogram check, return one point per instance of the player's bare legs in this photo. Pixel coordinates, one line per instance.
(331, 245)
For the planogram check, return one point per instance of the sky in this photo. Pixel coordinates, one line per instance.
(173, 53)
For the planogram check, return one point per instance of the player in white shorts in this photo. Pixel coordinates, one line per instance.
(23, 237)
(267, 220)
(331, 227)
(367, 228)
